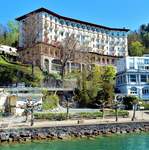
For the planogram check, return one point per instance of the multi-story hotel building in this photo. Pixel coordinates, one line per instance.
(133, 76)
(38, 40)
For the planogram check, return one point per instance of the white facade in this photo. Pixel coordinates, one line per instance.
(8, 50)
(53, 28)
(133, 76)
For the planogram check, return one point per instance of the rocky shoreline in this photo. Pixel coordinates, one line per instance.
(69, 132)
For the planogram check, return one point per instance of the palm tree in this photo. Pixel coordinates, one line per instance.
(116, 103)
(134, 104)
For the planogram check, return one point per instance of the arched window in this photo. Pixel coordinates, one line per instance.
(145, 91)
(46, 64)
(133, 90)
(107, 61)
(103, 60)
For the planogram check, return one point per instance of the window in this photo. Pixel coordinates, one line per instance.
(124, 79)
(78, 25)
(132, 78)
(133, 90)
(107, 61)
(145, 91)
(131, 65)
(67, 23)
(113, 61)
(143, 78)
(62, 33)
(46, 64)
(146, 67)
(61, 22)
(141, 67)
(146, 61)
(56, 65)
(103, 60)
(88, 28)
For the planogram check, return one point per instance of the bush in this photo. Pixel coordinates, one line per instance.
(50, 102)
(120, 113)
(93, 115)
(85, 115)
(146, 106)
(51, 116)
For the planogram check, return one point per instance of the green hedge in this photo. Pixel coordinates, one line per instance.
(51, 116)
(86, 115)
(146, 106)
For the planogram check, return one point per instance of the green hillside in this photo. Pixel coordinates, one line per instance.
(11, 73)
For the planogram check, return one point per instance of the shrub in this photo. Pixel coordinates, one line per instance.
(51, 116)
(85, 115)
(50, 102)
(146, 106)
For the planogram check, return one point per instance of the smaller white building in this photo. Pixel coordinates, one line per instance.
(8, 50)
(12, 100)
(133, 76)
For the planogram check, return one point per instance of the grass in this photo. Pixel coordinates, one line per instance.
(21, 67)
(26, 69)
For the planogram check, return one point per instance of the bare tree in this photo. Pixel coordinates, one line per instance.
(68, 48)
(31, 29)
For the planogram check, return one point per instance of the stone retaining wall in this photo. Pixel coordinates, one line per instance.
(65, 132)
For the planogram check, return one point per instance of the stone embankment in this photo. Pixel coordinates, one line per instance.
(68, 132)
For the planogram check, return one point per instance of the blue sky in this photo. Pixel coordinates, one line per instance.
(113, 13)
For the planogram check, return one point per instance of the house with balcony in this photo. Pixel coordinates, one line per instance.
(133, 76)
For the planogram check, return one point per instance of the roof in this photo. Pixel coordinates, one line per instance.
(70, 19)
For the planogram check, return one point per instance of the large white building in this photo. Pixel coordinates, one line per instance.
(133, 76)
(46, 27)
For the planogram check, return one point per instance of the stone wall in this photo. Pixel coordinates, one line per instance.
(39, 50)
(65, 132)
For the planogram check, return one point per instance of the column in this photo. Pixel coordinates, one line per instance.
(69, 66)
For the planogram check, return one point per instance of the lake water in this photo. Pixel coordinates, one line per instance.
(114, 142)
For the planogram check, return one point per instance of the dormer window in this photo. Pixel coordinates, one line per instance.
(78, 25)
(61, 22)
(67, 23)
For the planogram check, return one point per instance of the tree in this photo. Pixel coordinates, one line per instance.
(31, 29)
(95, 81)
(9, 34)
(96, 86)
(134, 103)
(29, 107)
(81, 93)
(108, 78)
(131, 103)
(144, 34)
(136, 49)
(116, 106)
(133, 36)
(68, 49)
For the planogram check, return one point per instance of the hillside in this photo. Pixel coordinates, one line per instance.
(11, 73)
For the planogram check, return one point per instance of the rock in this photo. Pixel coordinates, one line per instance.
(10, 140)
(15, 136)
(27, 139)
(4, 136)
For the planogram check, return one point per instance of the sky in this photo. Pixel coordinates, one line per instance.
(113, 13)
